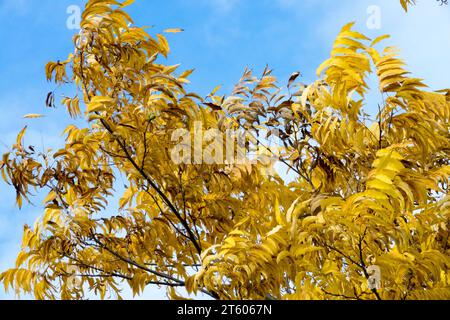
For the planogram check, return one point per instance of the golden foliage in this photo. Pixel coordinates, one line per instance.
(406, 3)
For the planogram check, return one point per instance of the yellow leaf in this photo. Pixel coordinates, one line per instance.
(50, 197)
(127, 3)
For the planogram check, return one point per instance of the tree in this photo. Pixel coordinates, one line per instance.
(367, 216)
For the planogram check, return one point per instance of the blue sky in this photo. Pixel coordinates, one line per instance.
(222, 37)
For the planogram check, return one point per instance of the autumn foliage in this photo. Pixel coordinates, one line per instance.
(366, 192)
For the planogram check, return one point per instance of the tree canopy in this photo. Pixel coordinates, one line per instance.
(368, 194)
